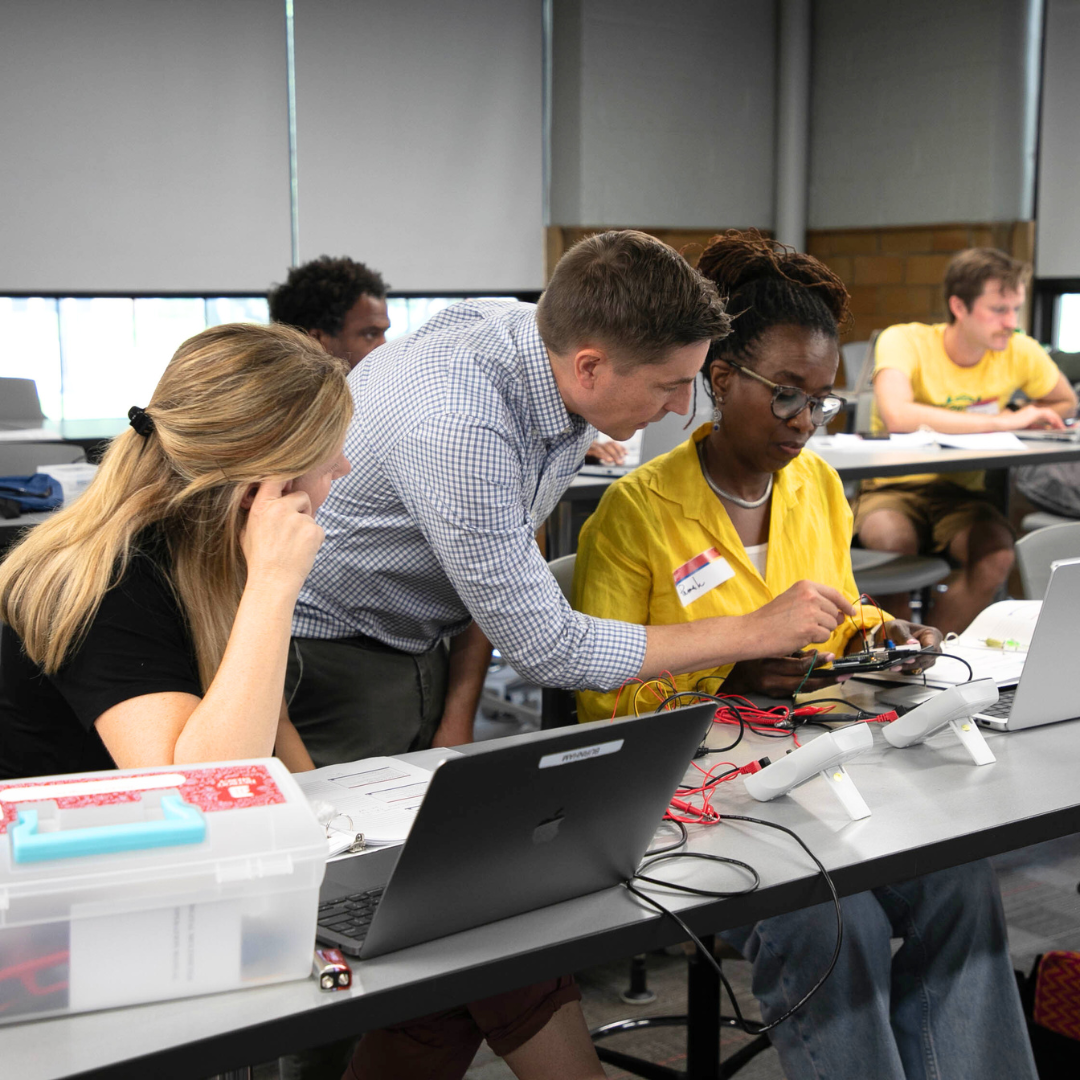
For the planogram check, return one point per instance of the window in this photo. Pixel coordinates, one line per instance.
(1067, 323)
(97, 356)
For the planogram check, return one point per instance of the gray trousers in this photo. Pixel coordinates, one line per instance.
(355, 697)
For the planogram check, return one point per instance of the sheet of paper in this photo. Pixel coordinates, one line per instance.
(1003, 667)
(380, 795)
(842, 442)
(1006, 626)
(983, 440)
(159, 953)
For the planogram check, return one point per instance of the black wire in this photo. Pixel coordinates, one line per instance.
(717, 701)
(863, 714)
(639, 876)
(949, 656)
(683, 837)
(749, 1026)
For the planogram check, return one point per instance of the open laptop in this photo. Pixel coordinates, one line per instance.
(513, 826)
(658, 438)
(1046, 691)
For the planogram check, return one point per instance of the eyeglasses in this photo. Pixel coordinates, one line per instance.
(789, 401)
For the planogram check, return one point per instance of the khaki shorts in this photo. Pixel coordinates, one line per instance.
(940, 511)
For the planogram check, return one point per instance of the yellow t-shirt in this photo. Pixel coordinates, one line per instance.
(653, 522)
(918, 350)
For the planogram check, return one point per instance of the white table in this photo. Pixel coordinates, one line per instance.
(931, 809)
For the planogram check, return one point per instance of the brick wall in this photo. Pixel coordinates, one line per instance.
(894, 274)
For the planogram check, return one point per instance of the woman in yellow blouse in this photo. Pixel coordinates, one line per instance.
(730, 519)
(722, 525)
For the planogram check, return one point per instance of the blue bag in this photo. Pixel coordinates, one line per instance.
(32, 493)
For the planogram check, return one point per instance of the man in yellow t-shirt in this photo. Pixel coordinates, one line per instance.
(959, 377)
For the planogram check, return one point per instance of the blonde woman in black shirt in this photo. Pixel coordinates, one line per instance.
(148, 623)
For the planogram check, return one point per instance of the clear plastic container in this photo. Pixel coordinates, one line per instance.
(146, 884)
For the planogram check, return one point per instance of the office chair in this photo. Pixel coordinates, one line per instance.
(858, 395)
(1038, 550)
(884, 573)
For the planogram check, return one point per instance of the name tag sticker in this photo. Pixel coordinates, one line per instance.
(700, 575)
(583, 753)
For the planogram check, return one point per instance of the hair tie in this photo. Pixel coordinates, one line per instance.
(141, 421)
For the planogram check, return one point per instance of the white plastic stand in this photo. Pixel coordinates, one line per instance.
(953, 707)
(825, 756)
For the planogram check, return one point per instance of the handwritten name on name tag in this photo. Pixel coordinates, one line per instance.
(700, 575)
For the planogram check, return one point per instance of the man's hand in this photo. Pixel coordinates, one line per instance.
(805, 613)
(606, 452)
(1030, 416)
(779, 676)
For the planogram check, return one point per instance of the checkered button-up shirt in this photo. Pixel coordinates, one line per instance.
(460, 447)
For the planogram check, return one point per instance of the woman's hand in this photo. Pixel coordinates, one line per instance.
(779, 676)
(280, 539)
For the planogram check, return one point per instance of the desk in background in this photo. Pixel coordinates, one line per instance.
(931, 809)
(91, 435)
(584, 492)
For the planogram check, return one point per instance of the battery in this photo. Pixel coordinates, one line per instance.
(331, 969)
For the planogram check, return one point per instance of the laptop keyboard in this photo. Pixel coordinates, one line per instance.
(344, 922)
(1002, 707)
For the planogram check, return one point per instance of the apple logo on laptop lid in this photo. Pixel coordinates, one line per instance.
(548, 829)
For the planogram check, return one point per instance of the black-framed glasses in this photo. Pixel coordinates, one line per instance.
(789, 401)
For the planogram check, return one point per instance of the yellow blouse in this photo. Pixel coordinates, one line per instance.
(653, 522)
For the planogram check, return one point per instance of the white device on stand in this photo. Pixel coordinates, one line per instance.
(954, 707)
(825, 756)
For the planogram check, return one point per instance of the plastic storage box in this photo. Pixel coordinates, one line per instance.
(144, 884)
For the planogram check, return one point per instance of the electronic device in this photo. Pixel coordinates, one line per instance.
(514, 825)
(1045, 692)
(873, 659)
(953, 707)
(824, 756)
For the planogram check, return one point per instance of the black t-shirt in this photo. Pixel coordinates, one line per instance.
(138, 643)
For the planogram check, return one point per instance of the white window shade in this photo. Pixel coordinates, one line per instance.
(145, 146)
(1057, 249)
(419, 143)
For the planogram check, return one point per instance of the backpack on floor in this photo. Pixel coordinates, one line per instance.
(1054, 487)
(1051, 999)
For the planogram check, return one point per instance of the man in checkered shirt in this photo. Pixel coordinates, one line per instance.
(466, 435)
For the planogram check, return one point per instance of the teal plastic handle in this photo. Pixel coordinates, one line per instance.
(182, 824)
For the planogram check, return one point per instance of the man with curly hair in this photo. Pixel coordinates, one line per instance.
(339, 302)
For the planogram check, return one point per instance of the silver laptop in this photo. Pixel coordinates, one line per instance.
(513, 826)
(1046, 691)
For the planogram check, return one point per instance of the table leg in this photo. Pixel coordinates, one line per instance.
(703, 1017)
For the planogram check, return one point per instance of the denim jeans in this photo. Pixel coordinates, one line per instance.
(944, 1007)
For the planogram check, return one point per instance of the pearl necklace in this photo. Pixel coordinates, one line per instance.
(746, 504)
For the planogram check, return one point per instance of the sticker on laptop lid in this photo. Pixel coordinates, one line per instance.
(700, 575)
(582, 753)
